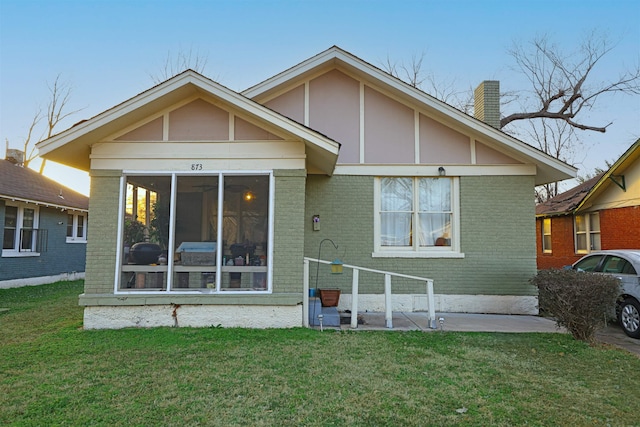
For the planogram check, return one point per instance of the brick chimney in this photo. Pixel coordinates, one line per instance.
(486, 104)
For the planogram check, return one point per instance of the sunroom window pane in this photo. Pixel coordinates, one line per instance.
(196, 232)
(245, 232)
(145, 233)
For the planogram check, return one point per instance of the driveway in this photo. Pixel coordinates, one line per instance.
(613, 335)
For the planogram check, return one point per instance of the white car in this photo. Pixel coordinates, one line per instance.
(625, 265)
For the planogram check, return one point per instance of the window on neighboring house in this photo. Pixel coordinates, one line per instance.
(21, 233)
(546, 235)
(416, 216)
(587, 232)
(76, 228)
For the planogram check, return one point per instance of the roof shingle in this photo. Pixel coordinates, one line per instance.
(19, 183)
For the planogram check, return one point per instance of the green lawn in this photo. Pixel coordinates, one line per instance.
(54, 373)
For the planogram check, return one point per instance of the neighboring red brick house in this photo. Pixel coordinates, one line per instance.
(601, 213)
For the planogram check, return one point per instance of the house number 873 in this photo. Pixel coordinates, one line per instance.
(196, 166)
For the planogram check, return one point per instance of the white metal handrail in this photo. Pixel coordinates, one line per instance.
(354, 293)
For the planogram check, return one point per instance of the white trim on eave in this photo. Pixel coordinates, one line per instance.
(551, 169)
(41, 203)
(179, 87)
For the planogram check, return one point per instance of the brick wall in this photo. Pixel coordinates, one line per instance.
(487, 103)
(102, 232)
(562, 243)
(288, 230)
(619, 229)
(497, 237)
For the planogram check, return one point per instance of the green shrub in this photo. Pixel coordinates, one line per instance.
(579, 301)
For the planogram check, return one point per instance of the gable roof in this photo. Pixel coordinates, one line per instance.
(26, 185)
(73, 146)
(630, 156)
(567, 202)
(549, 169)
(572, 200)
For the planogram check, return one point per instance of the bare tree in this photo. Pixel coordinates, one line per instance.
(57, 110)
(558, 139)
(176, 63)
(561, 87)
(413, 73)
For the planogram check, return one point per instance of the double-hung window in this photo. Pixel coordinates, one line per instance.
(20, 230)
(76, 228)
(587, 232)
(546, 235)
(416, 216)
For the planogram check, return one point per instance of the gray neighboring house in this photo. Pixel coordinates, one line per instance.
(44, 228)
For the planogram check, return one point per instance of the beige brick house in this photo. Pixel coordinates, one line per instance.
(205, 201)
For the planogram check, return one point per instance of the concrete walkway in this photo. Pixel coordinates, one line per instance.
(467, 322)
(463, 322)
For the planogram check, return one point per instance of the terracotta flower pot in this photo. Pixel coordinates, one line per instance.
(329, 297)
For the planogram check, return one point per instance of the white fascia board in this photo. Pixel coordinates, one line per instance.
(293, 72)
(111, 114)
(41, 203)
(432, 170)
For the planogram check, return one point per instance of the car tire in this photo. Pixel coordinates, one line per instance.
(629, 317)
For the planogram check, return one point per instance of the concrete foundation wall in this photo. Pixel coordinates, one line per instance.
(494, 304)
(228, 316)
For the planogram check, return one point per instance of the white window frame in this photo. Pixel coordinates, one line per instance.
(15, 251)
(416, 251)
(169, 269)
(77, 217)
(588, 233)
(545, 233)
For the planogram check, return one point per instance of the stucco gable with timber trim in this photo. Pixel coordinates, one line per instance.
(416, 120)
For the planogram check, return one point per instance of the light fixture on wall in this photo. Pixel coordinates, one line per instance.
(441, 171)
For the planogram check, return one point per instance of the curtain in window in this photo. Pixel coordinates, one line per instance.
(396, 210)
(434, 195)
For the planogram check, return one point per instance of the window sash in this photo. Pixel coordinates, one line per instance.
(546, 235)
(76, 227)
(415, 213)
(587, 232)
(21, 228)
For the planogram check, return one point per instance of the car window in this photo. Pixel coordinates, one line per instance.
(613, 264)
(617, 265)
(628, 269)
(588, 264)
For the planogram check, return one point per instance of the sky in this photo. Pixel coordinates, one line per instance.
(108, 50)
